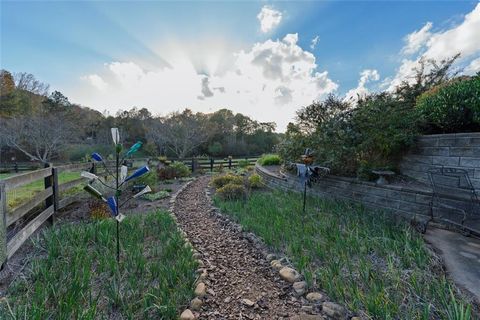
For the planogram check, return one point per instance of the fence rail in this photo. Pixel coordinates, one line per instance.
(47, 201)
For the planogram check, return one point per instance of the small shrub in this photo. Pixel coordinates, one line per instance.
(270, 160)
(255, 181)
(181, 169)
(223, 180)
(165, 173)
(98, 210)
(149, 179)
(243, 164)
(156, 196)
(232, 191)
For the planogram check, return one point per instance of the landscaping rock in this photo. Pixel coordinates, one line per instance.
(187, 315)
(299, 288)
(288, 274)
(200, 290)
(276, 264)
(196, 304)
(270, 257)
(334, 310)
(314, 297)
(248, 303)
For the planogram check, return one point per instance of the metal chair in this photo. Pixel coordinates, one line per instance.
(450, 185)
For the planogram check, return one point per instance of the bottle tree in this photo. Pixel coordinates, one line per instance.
(118, 181)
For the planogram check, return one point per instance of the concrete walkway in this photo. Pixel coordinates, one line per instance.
(461, 255)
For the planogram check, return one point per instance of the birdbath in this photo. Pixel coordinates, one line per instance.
(382, 176)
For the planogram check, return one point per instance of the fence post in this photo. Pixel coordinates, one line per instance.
(193, 166)
(48, 182)
(56, 193)
(3, 225)
(211, 164)
(229, 162)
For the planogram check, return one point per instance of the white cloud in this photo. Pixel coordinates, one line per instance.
(96, 81)
(314, 42)
(417, 39)
(366, 76)
(473, 67)
(269, 18)
(268, 81)
(463, 38)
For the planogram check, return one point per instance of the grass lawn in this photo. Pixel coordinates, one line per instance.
(358, 257)
(77, 276)
(22, 194)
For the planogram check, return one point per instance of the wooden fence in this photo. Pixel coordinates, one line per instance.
(48, 201)
(203, 163)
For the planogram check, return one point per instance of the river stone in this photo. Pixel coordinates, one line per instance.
(248, 303)
(333, 310)
(270, 257)
(314, 296)
(200, 290)
(289, 274)
(195, 304)
(276, 264)
(304, 316)
(299, 287)
(187, 315)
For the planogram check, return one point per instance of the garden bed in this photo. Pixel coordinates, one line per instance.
(360, 258)
(74, 273)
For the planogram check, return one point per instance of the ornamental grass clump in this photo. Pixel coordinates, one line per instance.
(270, 160)
(255, 181)
(223, 180)
(232, 191)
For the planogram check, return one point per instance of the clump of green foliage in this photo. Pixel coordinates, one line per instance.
(255, 181)
(222, 180)
(243, 163)
(232, 191)
(156, 196)
(452, 107)
(181, 169)
(77, 273)
(361, 258)
(270, 160)
(149, 179)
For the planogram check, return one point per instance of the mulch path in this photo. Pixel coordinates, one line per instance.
(237, 269)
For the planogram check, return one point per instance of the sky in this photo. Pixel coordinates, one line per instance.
(263, 59)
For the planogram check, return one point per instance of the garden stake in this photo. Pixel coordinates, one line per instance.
(114, 200)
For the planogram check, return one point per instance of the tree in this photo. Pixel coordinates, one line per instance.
(39, 136)
(7, 84)
(181, 133)
(28, 82)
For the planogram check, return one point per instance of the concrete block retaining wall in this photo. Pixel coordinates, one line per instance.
(458, 150)
(412, 204)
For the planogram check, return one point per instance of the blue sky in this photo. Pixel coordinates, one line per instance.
(206, 55)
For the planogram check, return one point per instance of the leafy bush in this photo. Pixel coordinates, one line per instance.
(255, 181)
(270, 160)
(149, 179)
(232, 191)
(452, 107)
(181, 169)
(243, 164)
(222, 180)
(156, 196)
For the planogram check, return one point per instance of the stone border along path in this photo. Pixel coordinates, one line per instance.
(238, 278)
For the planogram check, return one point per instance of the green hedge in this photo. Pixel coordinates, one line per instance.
(452, 107)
